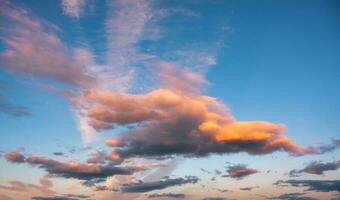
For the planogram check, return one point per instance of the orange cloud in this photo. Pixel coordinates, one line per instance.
(15, 157)
(177, 119)
(240, 171)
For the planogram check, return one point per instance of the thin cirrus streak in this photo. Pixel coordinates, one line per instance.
(73, 8)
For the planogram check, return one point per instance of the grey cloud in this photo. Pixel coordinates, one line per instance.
(167, 195)
(158, 185)
(312, 185)
(292, 196)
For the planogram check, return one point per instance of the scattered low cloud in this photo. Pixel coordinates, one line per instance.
(54, 198)
(214, 198)
(317, 168)
(13, 110)
(292, 196)
(58, 153)
(43, 187)
(240, 171)
(326, 148)
(158, 185)
(15, 157)
(167, 195)
(224, 190)
(313, 185)
(63, 197)
(248, 188)
(90, 174)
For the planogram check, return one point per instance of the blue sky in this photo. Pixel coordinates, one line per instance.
(76, 74)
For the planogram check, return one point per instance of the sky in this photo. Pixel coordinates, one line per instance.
(167, 99)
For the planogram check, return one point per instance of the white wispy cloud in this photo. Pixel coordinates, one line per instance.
(73, 8)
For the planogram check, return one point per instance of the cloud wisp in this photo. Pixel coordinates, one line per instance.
(312, 185)
(33, 48)
(316, 168)
(292, 196)
(63, 197)
(141, 186)
(167, 195)
(43, 187)
(73, 8)
(90, 174)
(9, 108)
(249, 188)
(240, 171)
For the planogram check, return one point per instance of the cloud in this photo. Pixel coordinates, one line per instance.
(73, 8)
(214, 198)
(54, 198)
(10, 109)
(292, 196)
(89, 173)
(224, 190)
(15, 157)
(316, 168)
(157, 185)
(240, 171)
(191, 124)
(58, 153)
(62, 197)
(167, 195)
(32, 47)
(125, 25)
(18, 186)
(313, 185)
(13, 110)
(5, 197)
(328, 147)
(202, 124)
(249, 188)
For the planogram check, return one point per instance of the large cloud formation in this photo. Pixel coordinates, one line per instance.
(173, 118)
(177, 119)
